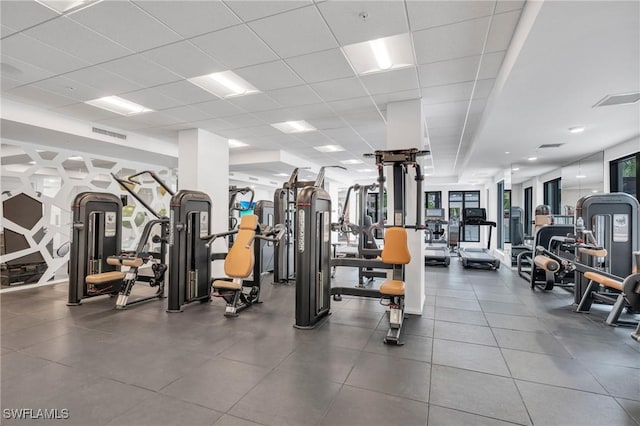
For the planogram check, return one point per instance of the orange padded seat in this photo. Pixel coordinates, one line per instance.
(392, 288)
(104, 277)
(227, 285)
(239, 260)
(605, 281)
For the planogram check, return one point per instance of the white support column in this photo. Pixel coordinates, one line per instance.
(203, 165)
(405, 129)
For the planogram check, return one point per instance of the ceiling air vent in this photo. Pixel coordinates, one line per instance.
(625, 98)
(253, 179)
(550, 145)
(109, 133)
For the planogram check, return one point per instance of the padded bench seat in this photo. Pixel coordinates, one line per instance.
(605, 281)
(227, 285)
(104, 277)
(392, 288)
(546, 263)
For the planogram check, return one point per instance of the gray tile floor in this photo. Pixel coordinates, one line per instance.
(487, 350)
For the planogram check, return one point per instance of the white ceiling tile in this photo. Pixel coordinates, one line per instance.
(310, 112)
(251, 10)
(24, 14)
(264, 130)
(448, 93)
(254, 102)
(124, 123)
(391, 81)
(234, 133)
(191, 18)
(35, 96)
(321, 66)
(104, 80)
(219, 108)
(22, 72)
(502, 29)
(491, 64)
(34, 52)
(447, 108)
(384, 18)
(460, 70)
(329, 122)
(243, 120)
(72, 89)
(428, 14)
(184, 59)
(185, 92)
(126, 24)
(275, 115)
(346, 133)
(293, 33)
(83, 111)
(450, 41)
(483, 89)
(294, 96)
(246, 49)
(347, 106)
(73, 38)
(7, 83)
(269, 76)
(509, 5)
(161, 133)
(211, 124)
(343, 88)
(141, 70)
(383, 99)
(151, 98)
(186, 113)
(5, 31)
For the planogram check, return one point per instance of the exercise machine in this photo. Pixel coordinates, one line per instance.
(518, 238)
(437, 250)
(242, 207)
(534, 271)
(477, 257)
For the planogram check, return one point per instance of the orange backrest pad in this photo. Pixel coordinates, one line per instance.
(396, 250)
(239, 260)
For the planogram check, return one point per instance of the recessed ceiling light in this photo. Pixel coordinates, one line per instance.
(532, 158)
(32, 162)
(507, 152)
(75, 158)
(67, 6)
(234, 143)
(515, 169)
(576, 129)
(351, 161)
(299, 126)
(225, 84)
(366, 170)
(329, 148)
(594, 191)
(382, 54)
(118, 105)
(580, 176)
(281, 174)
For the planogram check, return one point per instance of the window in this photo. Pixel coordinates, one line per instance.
(624, 174)
(528, 209)
(552, 195)
(504, 212)
(433, 199)
(458, 201)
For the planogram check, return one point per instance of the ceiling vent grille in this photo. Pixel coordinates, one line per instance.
(253, 179)
(109, 133)
(625, 98)
(550, 145)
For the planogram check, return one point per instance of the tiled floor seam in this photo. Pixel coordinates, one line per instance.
(475, 414)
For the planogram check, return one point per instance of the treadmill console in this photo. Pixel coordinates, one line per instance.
(475, 215)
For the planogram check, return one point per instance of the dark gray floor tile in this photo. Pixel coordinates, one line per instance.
(551, 370)
(400, 377)
(550, 405)
(355, 407)
(285, 398)
(483, 394)
(469, 356)
(361, 304)
(623, 382)
(77, 341)
(600, 351)
(415, 347)
(501, 297)
(19, 322)
(543, 343)
(456, 303)
(464, 333)
(229, 420)
(631, 407)
(514, 322)
(461, 294)
(199, 387)
(264, 351)
(412, 325)
(317, 360)
(16, 363)
(161, 410)
(440, 416)
(33, 335)
(505, 308)
(336, 334)
(363, 319)
(457, 315)
(98, 402)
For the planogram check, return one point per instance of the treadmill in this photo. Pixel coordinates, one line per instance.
(436, 251)
(477, 257)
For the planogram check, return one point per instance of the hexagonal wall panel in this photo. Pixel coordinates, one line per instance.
(22, 210)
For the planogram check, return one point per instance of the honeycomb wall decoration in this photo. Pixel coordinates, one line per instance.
(45, 182)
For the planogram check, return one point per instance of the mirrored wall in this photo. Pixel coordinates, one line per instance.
(581, 178)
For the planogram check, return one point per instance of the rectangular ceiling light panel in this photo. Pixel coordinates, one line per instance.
(67, 6)
(118, 105)
(329, 148)
(225, 84)
(300, 126)
(622, 99)
(383, 54)
(351, 161)
(234, 143)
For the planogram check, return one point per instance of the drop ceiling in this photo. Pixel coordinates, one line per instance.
(144, 51)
